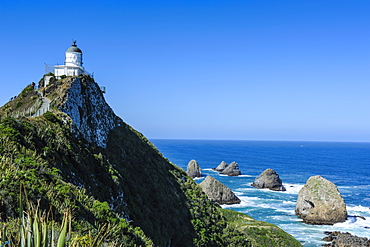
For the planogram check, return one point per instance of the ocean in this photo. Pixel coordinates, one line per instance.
(345, 164)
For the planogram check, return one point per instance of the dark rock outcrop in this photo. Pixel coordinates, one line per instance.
(232, 170)
(220, 167)
(340, 239)
(218, 192)
(193, 170)
(319, 202)
(269, 179)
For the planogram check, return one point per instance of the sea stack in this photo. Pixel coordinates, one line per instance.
(269, 179)
(218, 192)
(232, 170)
(220, 167)
(193, 170)
(319, 202)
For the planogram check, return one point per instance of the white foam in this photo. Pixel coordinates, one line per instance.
(289, 202)
(199, 178)
(244, 176)
(358, 208)
(353, 223)
(209, 169)
(293, 188)
(245, 202)
(245, 189)
(237, 193)
(288, 211)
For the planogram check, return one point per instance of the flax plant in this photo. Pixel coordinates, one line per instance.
(35, 229)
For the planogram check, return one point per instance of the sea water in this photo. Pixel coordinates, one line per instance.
(345, 164)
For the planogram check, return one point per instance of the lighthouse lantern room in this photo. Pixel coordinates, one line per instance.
(72, 63)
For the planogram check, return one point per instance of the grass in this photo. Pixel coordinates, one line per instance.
(259, 233)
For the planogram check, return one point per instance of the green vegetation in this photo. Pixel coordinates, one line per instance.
(259, 233)
(26, 91)
(42, 155)
(22, 103)
(35, 228)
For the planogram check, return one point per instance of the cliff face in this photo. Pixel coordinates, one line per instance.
(84, 103)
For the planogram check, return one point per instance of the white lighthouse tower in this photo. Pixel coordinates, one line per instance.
(72, 63)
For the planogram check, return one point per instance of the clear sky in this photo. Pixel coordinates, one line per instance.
(221, 69)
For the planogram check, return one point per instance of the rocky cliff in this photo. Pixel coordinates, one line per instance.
(80, 156)
(91, 116)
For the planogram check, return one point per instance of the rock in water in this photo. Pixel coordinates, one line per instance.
(220, 167)
(193, 170)
(319, 202)
(341, 239)
(218, 192)
(232, 170)
(269, 179)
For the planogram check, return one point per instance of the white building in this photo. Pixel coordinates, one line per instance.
(72, 63)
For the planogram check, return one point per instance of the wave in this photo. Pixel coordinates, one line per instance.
(287, 211)
(244, 202)
(256, 203)
(199, 178)
(355, 225)
(289, 203)
(293, 188)
(358, 208)
(365, 186)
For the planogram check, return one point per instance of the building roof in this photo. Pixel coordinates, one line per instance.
(74, 48)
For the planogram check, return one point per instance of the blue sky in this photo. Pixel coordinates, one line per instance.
(250, 70)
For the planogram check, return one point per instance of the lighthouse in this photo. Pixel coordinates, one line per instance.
(72, 63)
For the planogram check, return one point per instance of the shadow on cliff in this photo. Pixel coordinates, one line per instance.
(155, 199)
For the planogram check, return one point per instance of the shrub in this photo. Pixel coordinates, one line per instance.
(51, 117)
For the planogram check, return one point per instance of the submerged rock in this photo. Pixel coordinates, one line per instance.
(218, 192)
(232, 170)
(220, 167)
(193, 170)
(269, 179)
(319, 202)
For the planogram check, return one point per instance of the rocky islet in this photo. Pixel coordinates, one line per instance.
(320, 202)
(220, 167)
(218, 192)
(193, 169)
(269, 179)
(232, 170)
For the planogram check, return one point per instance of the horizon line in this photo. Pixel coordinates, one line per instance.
(256, 140)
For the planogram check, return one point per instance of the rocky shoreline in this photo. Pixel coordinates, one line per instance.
(345, 239)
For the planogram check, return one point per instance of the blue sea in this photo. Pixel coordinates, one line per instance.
(345, 164)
